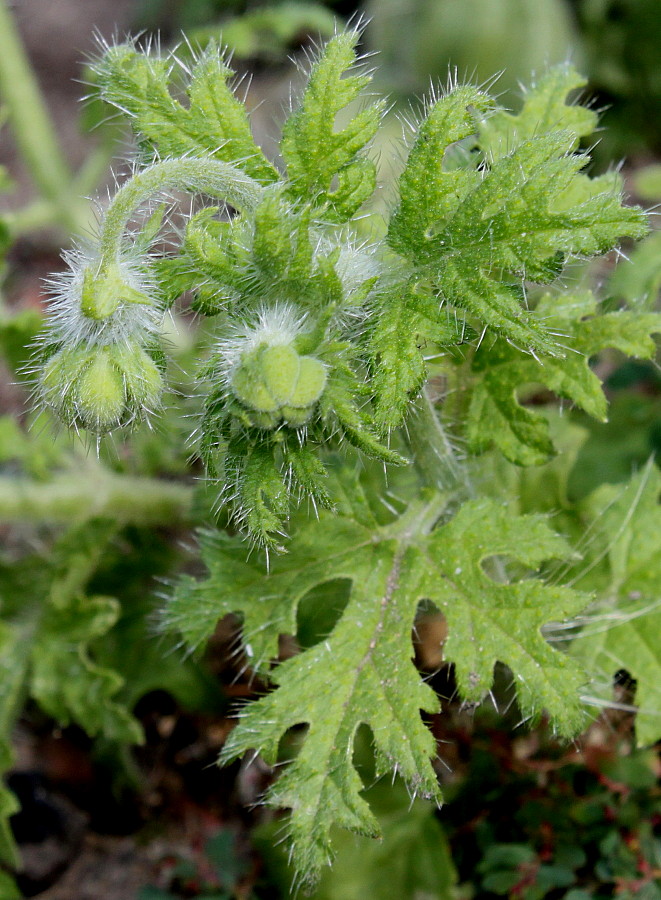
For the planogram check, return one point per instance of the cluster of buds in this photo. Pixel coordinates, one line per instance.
(101, 387)
(275, 384)
(107, 308)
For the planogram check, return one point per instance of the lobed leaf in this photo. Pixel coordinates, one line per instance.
(325, 163)
(214, 123)
(477, 232)
(428, 192)
(497, 417)
(401, 325)
(544, 108)
(362, 672)
(45, 636)
(490, 619)
(624, 565)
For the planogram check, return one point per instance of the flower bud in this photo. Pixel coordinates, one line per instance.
(101, 388)
(99, 394)
(276, 383)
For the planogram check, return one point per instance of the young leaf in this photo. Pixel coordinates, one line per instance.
(478, 233)
(402, 324)
(315, 151)
(429, 193)
(214, 123)
(362, 672)
(624, 564)
(544, 109)
(495, 414)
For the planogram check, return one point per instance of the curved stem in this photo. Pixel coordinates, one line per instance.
(204, 176)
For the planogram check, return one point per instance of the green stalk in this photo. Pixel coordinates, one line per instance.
(31, 124)
(205, 176)
(432, 452)
(127, 500)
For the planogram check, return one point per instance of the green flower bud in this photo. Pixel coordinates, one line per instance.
(276, 383)
(100, 396)
(58, 381)
(101, 388)
(310, 384)
(142, 377)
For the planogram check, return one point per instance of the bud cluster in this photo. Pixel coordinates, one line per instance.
(276, 384)
(101, 387)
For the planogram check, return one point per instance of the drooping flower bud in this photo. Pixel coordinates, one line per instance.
(101, 388)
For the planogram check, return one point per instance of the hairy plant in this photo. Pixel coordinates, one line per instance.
(323, 336)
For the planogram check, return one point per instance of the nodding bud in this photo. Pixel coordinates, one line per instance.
(277, 384)
(101, 388)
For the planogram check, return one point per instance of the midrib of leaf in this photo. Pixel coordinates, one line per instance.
(415, 524)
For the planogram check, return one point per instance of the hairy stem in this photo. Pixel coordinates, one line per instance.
(432, 452)
(128, 500)
(204, 176)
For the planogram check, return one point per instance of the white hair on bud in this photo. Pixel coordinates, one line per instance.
(68, 325)
(277, 325)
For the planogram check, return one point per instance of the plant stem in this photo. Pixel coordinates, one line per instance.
(206, 176)
(128, 500)
(31, 124)
(433, 454)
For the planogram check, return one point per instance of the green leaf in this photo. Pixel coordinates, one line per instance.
(17, 331)
(47, 626)
(315, 151)
(65, 681)
(403, 322)
(637, 279)
(14, 655)
(624, 565)
(497, 417)
(412, 860)
(8, 888)
(214, 123)
(477, 232)
(544, 109)
(429, 193)
(490, 621)
(362, 672)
